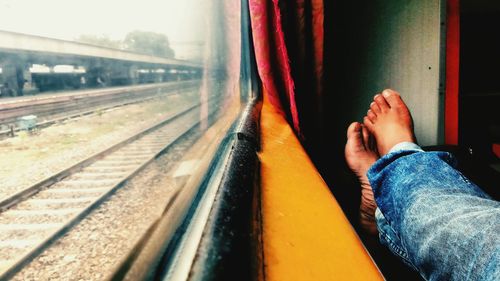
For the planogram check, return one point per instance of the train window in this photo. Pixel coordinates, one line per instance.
(110, 113)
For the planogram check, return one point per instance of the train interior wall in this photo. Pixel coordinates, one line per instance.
(371, 46)
(479, 96)
(479, 93)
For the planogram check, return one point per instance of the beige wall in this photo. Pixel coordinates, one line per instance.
(403, 53)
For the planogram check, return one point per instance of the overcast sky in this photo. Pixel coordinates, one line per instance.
(180, 20)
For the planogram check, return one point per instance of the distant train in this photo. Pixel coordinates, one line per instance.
(76, 78)
(42, 78)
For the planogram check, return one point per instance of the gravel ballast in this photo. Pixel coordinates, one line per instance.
(27, 159)
(93, 248)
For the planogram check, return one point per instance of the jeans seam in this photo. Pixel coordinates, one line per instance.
(450, 159)
(397, 250)
(464, 178)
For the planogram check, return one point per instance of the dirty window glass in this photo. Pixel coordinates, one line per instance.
(107, 108)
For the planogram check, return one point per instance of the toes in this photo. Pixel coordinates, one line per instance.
(375, 108)
(368, 124)
(353, 130)
(381, 102)
(371, 115)
(366, 136)
(393, 98)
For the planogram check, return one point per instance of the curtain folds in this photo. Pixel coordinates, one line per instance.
(288, 42)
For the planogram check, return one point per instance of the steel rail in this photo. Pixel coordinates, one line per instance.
(12, 266)
(50, 110)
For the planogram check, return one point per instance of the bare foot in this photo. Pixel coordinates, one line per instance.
(389, 120)
(360, 154)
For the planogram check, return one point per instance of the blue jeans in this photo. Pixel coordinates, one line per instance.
(433, 217)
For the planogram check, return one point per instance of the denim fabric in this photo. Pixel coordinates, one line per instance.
(433, 217)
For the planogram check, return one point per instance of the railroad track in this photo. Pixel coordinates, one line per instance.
(36, 217)
(51, 109)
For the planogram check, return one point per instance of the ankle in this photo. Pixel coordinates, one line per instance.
(405, 145)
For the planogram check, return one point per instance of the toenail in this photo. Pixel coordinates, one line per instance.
(386, 93)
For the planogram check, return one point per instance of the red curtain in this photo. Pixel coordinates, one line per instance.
(288, 41)
(452, 71)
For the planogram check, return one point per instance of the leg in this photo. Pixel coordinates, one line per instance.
(429, 213)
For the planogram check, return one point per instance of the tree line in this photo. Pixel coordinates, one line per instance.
(144, 42)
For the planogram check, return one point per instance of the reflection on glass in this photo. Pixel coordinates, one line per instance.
(107, 110)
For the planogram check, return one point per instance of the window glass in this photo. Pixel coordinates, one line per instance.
(107, 110)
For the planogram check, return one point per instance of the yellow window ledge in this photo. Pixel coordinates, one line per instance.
(306, 236)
